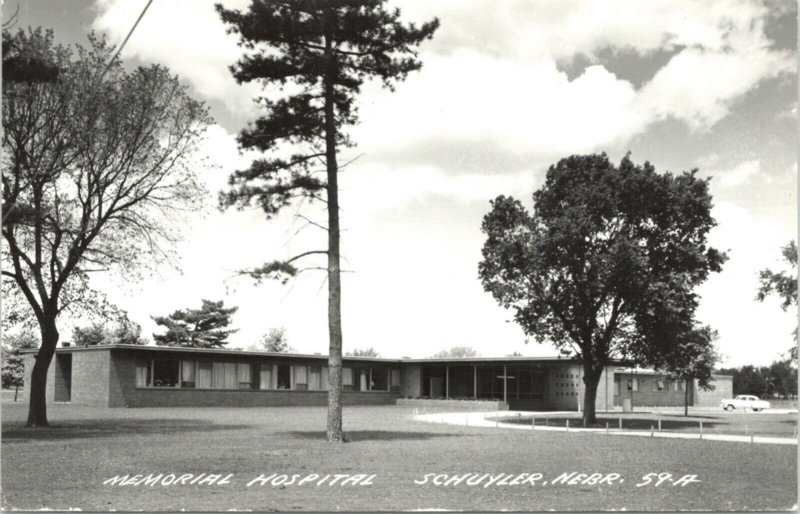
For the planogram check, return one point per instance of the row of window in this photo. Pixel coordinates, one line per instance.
(658, 384)
(244, 375)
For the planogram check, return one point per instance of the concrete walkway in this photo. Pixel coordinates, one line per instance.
(495, 420)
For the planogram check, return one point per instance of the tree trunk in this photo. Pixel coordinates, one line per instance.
(591, 377)
(686, 398)
(334, 277)
(16, 391)
(37, 409)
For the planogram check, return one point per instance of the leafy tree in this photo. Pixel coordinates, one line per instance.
(783, 283)
(606, 264)
(693, 358)
(748, 380)
(92, 335)
(366, 352)
(274, 341)
(783, 378)
(317, 55)
(456, 352)
(96, 176)
(13, 367)
(97, 333)
(197, 328)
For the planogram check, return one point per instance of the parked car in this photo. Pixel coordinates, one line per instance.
(744, 401)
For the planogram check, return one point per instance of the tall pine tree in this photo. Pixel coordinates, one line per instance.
(317, 53)
(205, 327)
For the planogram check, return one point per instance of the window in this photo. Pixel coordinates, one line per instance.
(323, 380)
(301, 378)
(633, 384)
(142, 373)
(165, 373)
(660, 385)
(243, 374)
(314, 378)
(265, 377)
(284, 376)
(218, 375)
(203, 375)
(347, 379)
(616, 386)
(187, 373)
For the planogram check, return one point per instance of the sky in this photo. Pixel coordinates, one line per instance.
(506, 89)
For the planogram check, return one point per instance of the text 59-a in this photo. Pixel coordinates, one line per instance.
(657, 479)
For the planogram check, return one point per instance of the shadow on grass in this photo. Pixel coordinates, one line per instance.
(90, 429)
(355, 436)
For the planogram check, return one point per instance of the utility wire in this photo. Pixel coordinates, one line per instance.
(126, 38)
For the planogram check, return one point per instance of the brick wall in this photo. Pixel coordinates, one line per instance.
(151, 397)
(90, 378)
(723, 388)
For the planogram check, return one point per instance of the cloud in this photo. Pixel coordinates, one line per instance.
(742, 173)
(493, 72)
(188, 37)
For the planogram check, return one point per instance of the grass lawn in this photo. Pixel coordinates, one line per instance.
(64, 467)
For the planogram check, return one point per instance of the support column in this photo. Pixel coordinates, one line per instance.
(475, 381)
(505, 383)
(447, 381)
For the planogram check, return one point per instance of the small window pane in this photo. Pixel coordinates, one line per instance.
(265, 380)
(314, 378)
(165, 373)
(203, 375)
(142, 373)
(218, 375)
(244, 381)
(230, 376)
(187, 374)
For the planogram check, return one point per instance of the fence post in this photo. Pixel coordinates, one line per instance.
(651, 430)
(620, 423)
(701, 430)
(606, 428)
(567, 425)
(659, 425)
(533, 422)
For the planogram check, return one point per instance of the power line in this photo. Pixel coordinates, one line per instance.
(126, 38)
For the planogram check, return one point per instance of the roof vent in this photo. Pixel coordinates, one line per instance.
(65, 344)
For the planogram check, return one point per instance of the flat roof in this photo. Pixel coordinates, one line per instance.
(228, 351)
(218, 351)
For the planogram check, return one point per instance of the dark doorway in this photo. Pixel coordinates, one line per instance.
(63, 381)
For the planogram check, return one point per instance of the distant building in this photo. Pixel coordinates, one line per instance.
(162, 376)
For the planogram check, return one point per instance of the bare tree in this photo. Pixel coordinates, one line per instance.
(97, 172)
